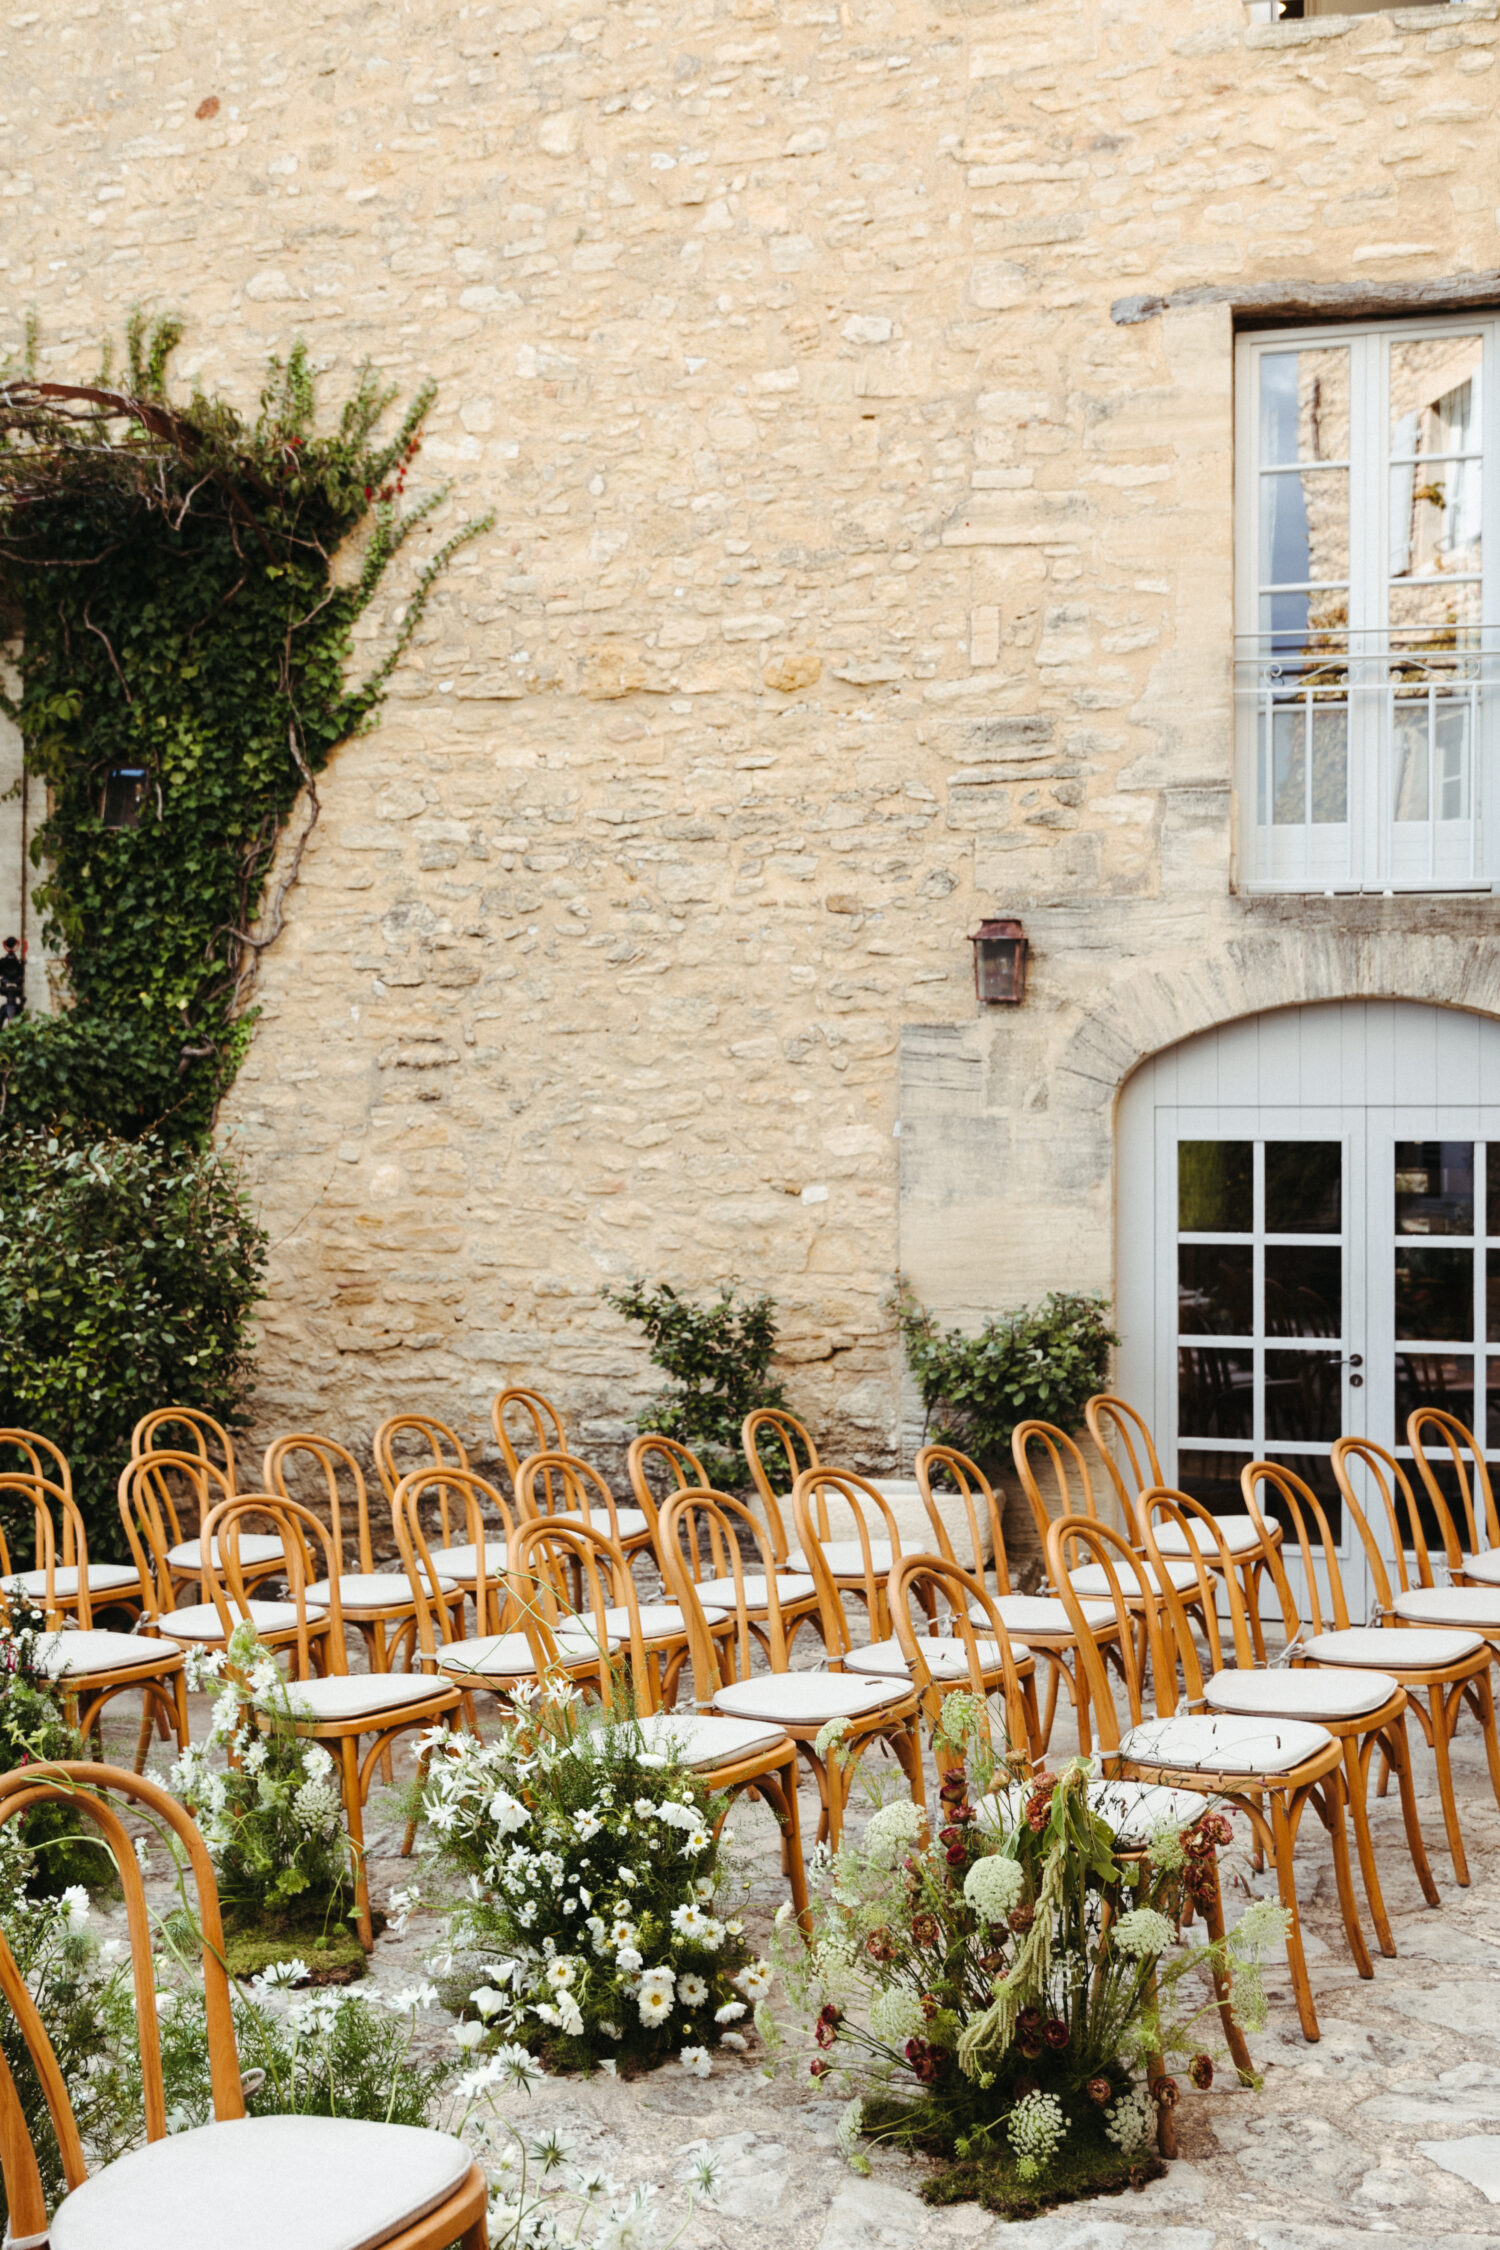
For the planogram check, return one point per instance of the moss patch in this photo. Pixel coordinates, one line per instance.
(1095, 2167)
(330, 1947)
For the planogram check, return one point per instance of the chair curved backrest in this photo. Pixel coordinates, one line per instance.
(978, 1494)
(43, 1459)
(549, 1557)
(148, 1510)
(1122, 1438)
(42, 1496)
(938, 1585)
(1200, 1534)
(702, 1537)
(794, 1441)
(1316, 1544)
(85, 1789)
(548, 1429)
(682, 1471)
(432, 1442)
(1470, 1470)
(810, 1497)
(424, 1563)
(559, 1484)
(1396, 1495)
(325, 1457)
(1077, 1541)
(1041, 1451)
(308, 1557)
(153, 1434)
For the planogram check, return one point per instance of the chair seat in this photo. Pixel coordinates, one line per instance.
(68, 1656)
(660, 1621)
(202, 1622)
(104, 1578)
(632, 1521)
(463, 1562)
(1397, 1651)
(255, 1548)
(298, 2183)
(702, 1740)
(1484, 1569)
(945, 1660)
(1094, 1579)
(1309, 1693)
(1134, 1809)
(791, 1586)
(806, 1699)
(1237, 1532)
(360, 1695)
(1475, 1606)
(845, 1558)
(1221, 1742)
(507, 1656)
(376, 1589)
(1043, 1614)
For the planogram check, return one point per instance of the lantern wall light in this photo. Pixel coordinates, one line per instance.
(1000, 950)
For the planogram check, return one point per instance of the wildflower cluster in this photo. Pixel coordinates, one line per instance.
(592, 1870)
(34, 1729)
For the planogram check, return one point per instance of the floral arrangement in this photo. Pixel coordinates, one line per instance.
(34, 1727)
(592, 1870)
(1005, 1994)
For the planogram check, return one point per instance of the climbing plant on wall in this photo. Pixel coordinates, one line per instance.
(168, 575)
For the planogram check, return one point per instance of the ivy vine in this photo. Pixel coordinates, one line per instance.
(168, 572)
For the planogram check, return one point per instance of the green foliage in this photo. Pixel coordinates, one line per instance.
(718, 1357)
(1044, 1363)
(170, 572)
(128, 1270)
(60, 1849)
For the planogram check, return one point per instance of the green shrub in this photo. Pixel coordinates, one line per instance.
(718, 1357)
(128, 1271)
(1040, 1363)
(53, 1847)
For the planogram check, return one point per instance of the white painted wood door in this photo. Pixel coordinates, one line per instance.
(1306, 1203)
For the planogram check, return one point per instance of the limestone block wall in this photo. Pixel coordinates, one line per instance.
(851, 383)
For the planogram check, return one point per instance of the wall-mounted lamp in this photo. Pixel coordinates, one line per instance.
(124, 796)
(1000, 950)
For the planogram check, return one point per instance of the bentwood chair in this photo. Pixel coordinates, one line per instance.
(567, 1490)
(112, 1585)
(41, 1458)
(89, 1667)
(945, 1653)
(1271, 1770)
(186, 1487)
(545, 1583)
(1474, 1561)
(863, 1707)
(1364, 1709)
(1122, 1438)
(1040, 1619)
(859, 1566)
(547, 1431)
(406, 1442)
(148, 1527)
(196, 1432)
(792, 1442)
(682, 1471)
(299, 2182)
(1443, 1662)
(336, 1707)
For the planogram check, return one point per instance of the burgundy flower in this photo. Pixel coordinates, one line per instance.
(1055, 2032)
(1100, 2092)
(1039, 1809)
(950, 1835)
(827, 2027)
(1164, 2092)
(926, 1929)
(1201, 2072)
(1021, 1917)
(954, 1787)
(817, 2068)
(880, 1945)
(956, 1855)
(925, 2059)
(1029, 2020)
(930, 2005)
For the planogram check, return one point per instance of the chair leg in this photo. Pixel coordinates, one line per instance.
(1354, 1779)
(1444, 1710)
(354, 1821)
(1484, 1690)
(1250, 1580)
(1332, 1808)
(1283, 1840)
(1415, 1844)
(1049, 1709)
(147, 1727)
(1234, 2037)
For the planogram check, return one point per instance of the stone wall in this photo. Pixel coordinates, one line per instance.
(851, 384)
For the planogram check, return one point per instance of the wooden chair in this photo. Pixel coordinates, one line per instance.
(986, 1663)
(336, 1706)
(1443, 1664)
(198, 1431)
(547, 1429)
(859, 1566)
(794, 1441)
(301, 2182)
(43, 1458)
(1364, 1709)
(1470, 1562)
(560, 1486)
(88, 1666)
(1039, 1619)
(1271, 1770)
(1123, 1439)
(111, 1585)
(796, 1591)
(187, 1486)
(801, 1703)
(149, 1527)
(539, 1581)
(435, 1446)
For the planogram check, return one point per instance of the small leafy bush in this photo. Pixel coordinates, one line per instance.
(62, 1851)
(718, 1358)
(1040, 1363)
(128, 1271)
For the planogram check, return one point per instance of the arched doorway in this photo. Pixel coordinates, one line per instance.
(1309, 1239)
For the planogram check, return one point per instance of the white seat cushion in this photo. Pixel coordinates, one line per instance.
(1475, 1606)
(700, 1739)
(790, 1587)
(632, 1521)
(660, 1621)
(1306, 1694)
(1237, 1532)
(805, 1699)
(1093, 1579)
(463, 1562)
(507, 1656)
(298, 2183)
(945, 1660)
(845, 1560)
(378, 1589)
(1221, 1743)
(104, 1578)
(69, 1655)
(1397, 1650)
(201, 1622)
(1044, 1614)
(1483, 1569)
(255, 1547)
(358, 1695)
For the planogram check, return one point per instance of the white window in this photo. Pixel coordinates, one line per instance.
(1368, 626)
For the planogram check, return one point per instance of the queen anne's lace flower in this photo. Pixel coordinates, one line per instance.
(893, 1830)
(896, 2017)
(1131, 2121)
(1037, 2128)
(1140, 1933)
(993, 1886)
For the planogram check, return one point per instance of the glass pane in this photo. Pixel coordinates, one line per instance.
(1213, 1479)
(1215, 1390)
(1314, 1469)
(1304, 1183)
(1424, 610)
(1215, 1289)
(1434, 1295)
(1433, 1379)
(1492, 1293)
(1435, 518)
(1215, 1193)
(1435, 396)
(1304, 528)
(1492, 1177)
(1492, 1415)
(1450, 758)
(1330, 762)
(1289, 765)
(1304, 1395)
(1304, 1291)
(1304, 405)
(1409, 757)
(1434, 1187)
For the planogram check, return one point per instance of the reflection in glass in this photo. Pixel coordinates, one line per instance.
(1330, 763)
(1289, 765)
(1424, 610)
(1314, 1469)
(1435, 496)
(1215, 1289)
(1492, 1286)
(1304, 405)
(1430, 753)
(1435, 518)
(1492, 1182)
(1215, 1393)
(1435, 395)
(1492, 1396)
(1215, 1187)
(1304, 1290)
(1434, 1295)
(1304, 1395)
(1304, 528)
(1304, 1182)
(1213, 1479)
(1433, 1379)
(1434, 1187)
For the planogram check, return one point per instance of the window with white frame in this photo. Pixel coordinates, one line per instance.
(1368, 628)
